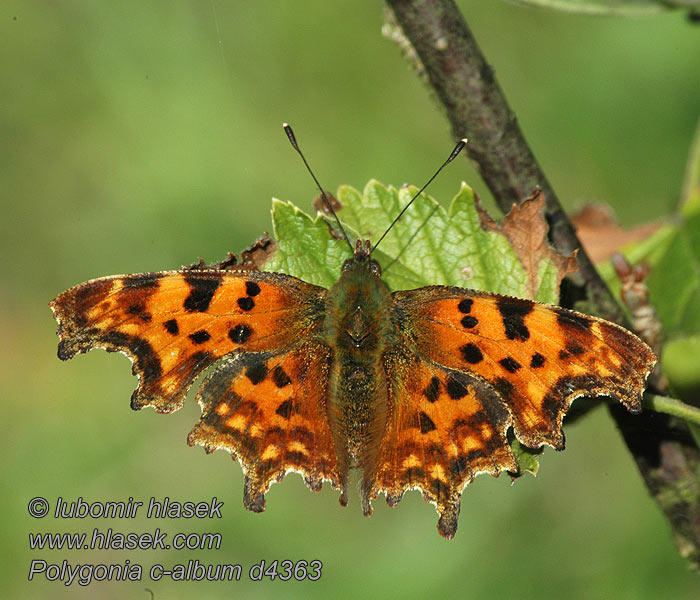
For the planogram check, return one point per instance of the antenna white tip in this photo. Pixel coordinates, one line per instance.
(285, 125)
(465, 140)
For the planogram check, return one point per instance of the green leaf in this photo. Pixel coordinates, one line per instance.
(674, 283)
(428, 245)
(627, 8)
(306, 249)
(528, 458)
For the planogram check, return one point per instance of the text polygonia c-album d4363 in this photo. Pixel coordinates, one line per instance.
(417, 388)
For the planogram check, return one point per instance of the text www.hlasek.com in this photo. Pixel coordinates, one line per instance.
(114, 540)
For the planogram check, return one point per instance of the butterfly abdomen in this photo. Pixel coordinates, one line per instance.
(358, 328)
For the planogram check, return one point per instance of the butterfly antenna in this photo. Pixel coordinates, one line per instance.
(458, 148)
(293, 141)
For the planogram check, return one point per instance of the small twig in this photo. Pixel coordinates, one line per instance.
(671, 406)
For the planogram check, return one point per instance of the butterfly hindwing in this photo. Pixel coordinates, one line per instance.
(270, 412)
(175, 324)
(536, 357)
(445, 427)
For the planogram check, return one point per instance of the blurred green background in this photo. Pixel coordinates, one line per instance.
(138, 136)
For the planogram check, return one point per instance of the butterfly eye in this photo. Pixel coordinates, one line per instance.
(374, 268)
(346, 265)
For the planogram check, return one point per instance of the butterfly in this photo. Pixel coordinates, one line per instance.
(417, 388)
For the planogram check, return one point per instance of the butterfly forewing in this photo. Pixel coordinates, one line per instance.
(537, 358)
(175, 324)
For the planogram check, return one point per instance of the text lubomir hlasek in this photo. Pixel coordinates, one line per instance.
(129, 509)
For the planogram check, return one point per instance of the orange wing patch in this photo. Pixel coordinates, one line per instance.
(175, 324)
(538, 358)
(445, 428)
(269, 412)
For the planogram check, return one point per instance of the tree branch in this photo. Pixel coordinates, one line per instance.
(476, 108)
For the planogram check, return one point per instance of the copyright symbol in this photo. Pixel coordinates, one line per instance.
(38, 507)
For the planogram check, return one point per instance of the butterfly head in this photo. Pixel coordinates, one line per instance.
(362, 259)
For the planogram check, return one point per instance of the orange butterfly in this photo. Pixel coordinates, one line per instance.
(417, 388)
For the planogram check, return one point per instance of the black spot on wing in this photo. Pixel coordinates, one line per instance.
(201, 292)
(433, 390)
(256, 373)
(240, 334)
(285, 409)
(510, 364)
(571, 349)
(172, 327)
(456, 389)
(252, 288)
(246, 303)
(280, 377)
(468, 322)
(138, 309)
(135, 309)
(425, 423)
(471, 353)
(537, 360)
(513, 311)
(465, 306)
(199, 337)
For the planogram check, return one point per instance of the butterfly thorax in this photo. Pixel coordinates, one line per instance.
(358, 328)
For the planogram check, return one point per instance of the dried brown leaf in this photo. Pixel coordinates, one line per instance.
(602, 236)
(526, 229)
